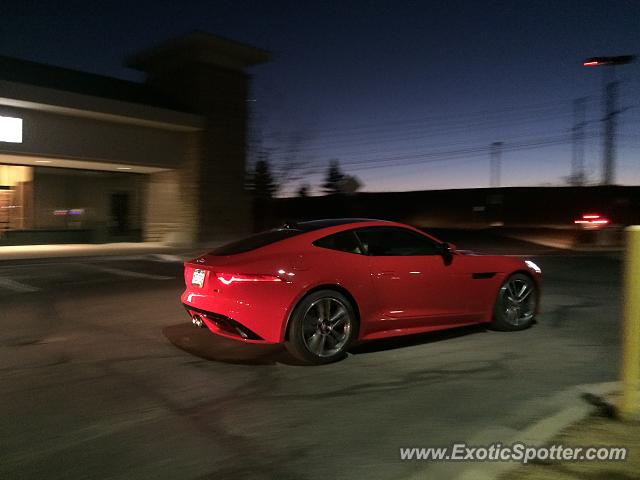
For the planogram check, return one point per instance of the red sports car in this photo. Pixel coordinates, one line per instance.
(318, 286)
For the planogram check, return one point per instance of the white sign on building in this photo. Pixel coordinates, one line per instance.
(10, 129)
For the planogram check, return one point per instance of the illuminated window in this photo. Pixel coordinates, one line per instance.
(10, 129)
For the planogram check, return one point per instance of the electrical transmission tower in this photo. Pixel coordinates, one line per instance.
(496, 164)
(610, 100)
(609, 133)
(577, 160)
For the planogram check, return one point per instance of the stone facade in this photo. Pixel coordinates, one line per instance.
(205, 75)
(172, 199)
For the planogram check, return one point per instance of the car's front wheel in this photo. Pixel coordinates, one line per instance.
(321, 327)
(515, 306)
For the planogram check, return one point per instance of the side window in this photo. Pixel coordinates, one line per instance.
(341, 241)
(391, 241)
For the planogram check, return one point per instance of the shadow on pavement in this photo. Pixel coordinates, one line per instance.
(204, 344)
(418, 339)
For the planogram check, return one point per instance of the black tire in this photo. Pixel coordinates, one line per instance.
(516, 303)
(312, 337)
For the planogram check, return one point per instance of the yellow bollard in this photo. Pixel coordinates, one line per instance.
(629, 407)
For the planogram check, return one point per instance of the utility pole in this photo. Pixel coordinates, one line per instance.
(609, 132)
(496, 164)
(577, 177)
(609, 100)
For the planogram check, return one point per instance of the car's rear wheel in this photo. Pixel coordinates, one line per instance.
(515, 306)
(321, 327)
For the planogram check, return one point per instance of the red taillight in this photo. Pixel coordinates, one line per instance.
(592, 219)
(229, 278)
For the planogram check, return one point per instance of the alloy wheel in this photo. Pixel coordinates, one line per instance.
(518, 300)
(326, 326)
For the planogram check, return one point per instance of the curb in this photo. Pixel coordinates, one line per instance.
(544, 430)
(573, 408)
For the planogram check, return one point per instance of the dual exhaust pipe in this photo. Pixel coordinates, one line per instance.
(197, 321)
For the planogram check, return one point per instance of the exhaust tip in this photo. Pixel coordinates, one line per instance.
(197, 321)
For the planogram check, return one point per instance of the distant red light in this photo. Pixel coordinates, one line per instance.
(591, 64)
(592, 219)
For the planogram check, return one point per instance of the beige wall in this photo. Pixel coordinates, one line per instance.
(56, 135)
(166, 203)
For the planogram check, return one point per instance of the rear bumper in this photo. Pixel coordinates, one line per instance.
(224, 326)
(259, 320)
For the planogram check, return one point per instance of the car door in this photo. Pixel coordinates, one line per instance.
(414, 283)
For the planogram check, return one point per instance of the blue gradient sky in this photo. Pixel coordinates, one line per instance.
(407, 95)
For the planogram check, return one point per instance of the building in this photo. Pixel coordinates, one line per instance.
(87, 158)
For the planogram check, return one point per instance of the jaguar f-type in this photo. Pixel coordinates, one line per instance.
(319, 286)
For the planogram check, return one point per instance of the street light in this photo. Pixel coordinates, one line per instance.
(609, 97)
(600, 61)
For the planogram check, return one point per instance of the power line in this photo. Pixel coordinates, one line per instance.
(441, 156)
(419, 131)
(466, 142)
(450, 158)
(482, 114)
(436, 132)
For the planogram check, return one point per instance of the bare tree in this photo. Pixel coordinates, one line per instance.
(303, 190)
(333, 178)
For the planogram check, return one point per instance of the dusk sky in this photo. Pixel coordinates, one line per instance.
(407, 95)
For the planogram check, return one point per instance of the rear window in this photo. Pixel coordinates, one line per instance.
(256, 241)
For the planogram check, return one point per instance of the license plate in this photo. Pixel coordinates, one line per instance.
(198, 278)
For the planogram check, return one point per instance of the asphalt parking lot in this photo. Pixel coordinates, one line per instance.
(103, 376)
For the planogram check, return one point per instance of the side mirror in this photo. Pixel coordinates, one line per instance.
(448, 249)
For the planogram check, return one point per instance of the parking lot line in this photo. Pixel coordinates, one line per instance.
(17, 286)
(126, 273)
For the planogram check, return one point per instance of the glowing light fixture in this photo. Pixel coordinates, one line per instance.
(10, 129)
(607, 61)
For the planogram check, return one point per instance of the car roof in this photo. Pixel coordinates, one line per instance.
(311, 225)
(300, 233)
(315, 229)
